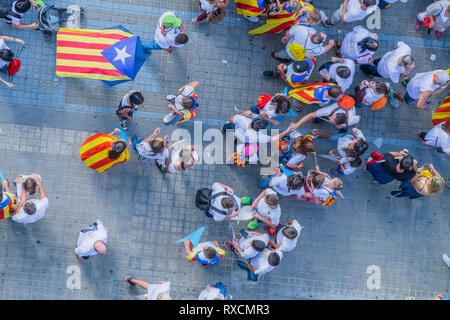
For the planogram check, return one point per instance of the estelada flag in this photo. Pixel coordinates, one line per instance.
(330, 200)
(305, 93)
(249, 8)
(112, 55)
(6, 206)
(282, 21)
(442, 114)
(95, 149)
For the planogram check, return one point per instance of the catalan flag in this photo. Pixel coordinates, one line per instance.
(112, 55)
(95, 149)
(189, 114)
(309, 93)
(282, 21)
(442, 114)
(250, 8)
(7, 205)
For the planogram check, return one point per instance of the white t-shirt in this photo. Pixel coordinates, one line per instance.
(354, 11)
(174, 158)
(146, 153)
(350, 48)
(296, 157)
(14, 20)
(3, 46)
(154, 289)
(261, 262)
(23, 217)
(279, 184)
(270, 108)
(165, 41)
(187, 91)
(216, 203)
(420, 83)
(343, 143)
(348, 169)
(392, 1)
(263, 209)
(323, 192)
(208, 7)
(437, 137)
(343, 83)
(211, 294)
(248, 251)
(371, 96)
(326, 112)
(87, 239)
(125, 102)
(246, 134)
(200, 247)
(286, 244)
(301, 35)
(388, 66)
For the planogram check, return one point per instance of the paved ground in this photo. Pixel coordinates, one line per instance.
(45, 119)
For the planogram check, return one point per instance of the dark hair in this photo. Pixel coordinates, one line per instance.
(118, 148)
(295, 181)
(340, 118)
(29, 207)
(22, 6)
(303, 145)
(272, 200)
(6, 55)
(358, 149)
(283, 104)
(290, 232)
(356, 162)
(381, 87)
(210, 253)
(407, 61)
(181, 38)
(300, 66)
(259, 124)
(317, 38)
(30, 185)
(157, 146)
(407, 163)
(227, 202)
(274, 259)
(317, 179)
(368, 44)
(136, 98)
(344, 72)
(188, 102)
(258, 245)
(335, 91)
(369, 3)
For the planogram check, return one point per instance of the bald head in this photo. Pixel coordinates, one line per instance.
(100, 247)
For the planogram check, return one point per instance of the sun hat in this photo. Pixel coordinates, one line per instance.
(171, 21)
(442, 77)
(346, 102)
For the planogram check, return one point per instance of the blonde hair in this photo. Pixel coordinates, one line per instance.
(337, 184)
(436, 186)
(313, 17)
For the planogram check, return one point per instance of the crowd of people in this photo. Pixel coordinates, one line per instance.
(337, 100)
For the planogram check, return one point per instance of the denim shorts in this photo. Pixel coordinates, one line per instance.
(408, 99)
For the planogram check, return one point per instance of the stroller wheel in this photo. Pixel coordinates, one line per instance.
(81, 10)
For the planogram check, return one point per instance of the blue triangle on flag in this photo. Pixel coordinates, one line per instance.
(194, 236)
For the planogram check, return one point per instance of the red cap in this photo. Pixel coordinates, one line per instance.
(346, 102)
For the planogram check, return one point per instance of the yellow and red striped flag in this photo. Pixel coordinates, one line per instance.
(306, 94)
(249, 8)
(442, 114)
(6, 206)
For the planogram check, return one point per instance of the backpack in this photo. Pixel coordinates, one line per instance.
(204, 198)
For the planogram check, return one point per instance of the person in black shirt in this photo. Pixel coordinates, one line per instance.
(393, 165)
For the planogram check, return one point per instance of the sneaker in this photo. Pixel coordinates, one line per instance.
(252, 19)
(374, 181)
(392, 101)
(417, 23)
(446, 259)
(229, 246)
(241, 264)
(246, 200)
(170, 97)
(438, 34)
(324, 19)
(169, 117)
(253, 224)
(160, 165)
(123, 124)
(269, 74)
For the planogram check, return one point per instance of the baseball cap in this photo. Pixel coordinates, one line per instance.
(441, 77)
(171, 21)
(346, 102)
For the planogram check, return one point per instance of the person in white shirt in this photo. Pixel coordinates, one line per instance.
(422, 86)
(26, 183)
(265, 261)
(180, 160)
(6, 56)
(18, 10)
(265, 208)
(338, 70)
(358, 45)
(169, 34)
(215, 292)
(320, 186)
(92, 241)
(158, 291)
(279, 104)
(225, 204)
(438, 13)
(369, 93)
(384, 4)
(298, 149)
(31, 210)
(341, 114)
(287, 236)
(312, 41)
(438, 137)
(250, 244)
(152, 148)
(350, 11)
(209, 6)
(284, 185)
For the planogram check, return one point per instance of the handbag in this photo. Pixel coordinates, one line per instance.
(216, 16)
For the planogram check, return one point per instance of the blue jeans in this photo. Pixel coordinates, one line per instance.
(408, 99)
(335, 137)
(148, 46)
(265, 183)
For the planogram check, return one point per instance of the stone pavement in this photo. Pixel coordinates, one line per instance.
(45, 119)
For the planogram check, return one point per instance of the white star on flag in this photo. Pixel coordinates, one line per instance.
(122, 54)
